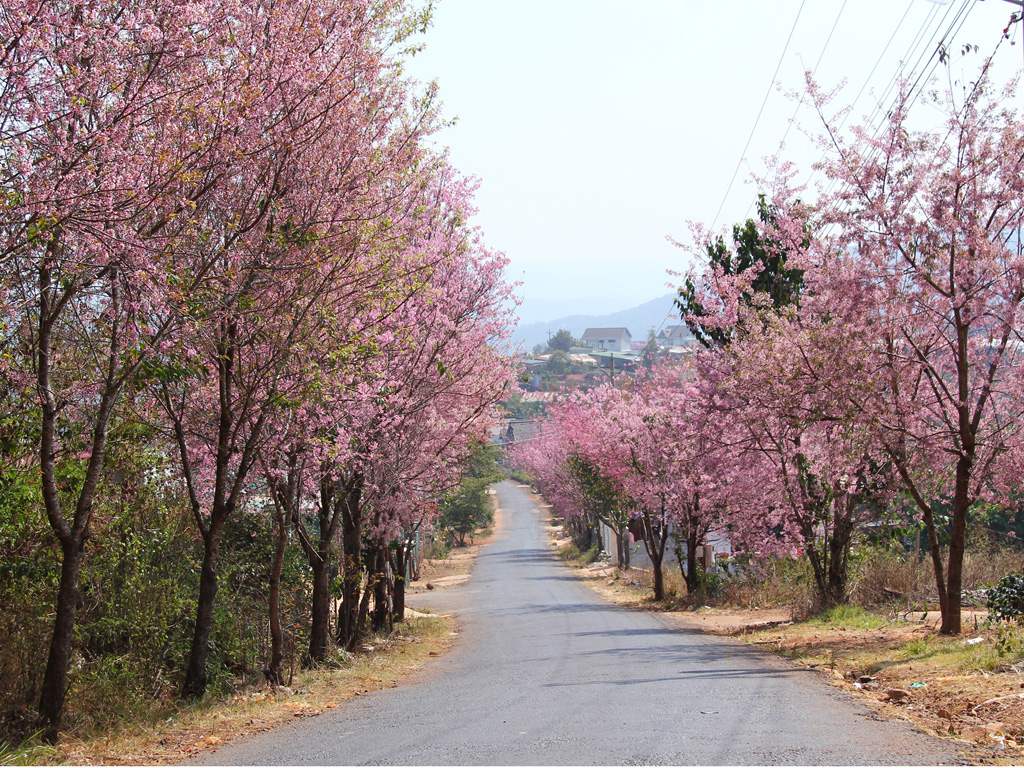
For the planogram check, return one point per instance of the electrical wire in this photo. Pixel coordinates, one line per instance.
(760, 112)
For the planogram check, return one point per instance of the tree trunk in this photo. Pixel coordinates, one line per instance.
(195, 672)
(659, 579)
(55, 682)
(273, 672)
(72, 538)
(360, 622)
(951, 606)
(655, 538)
(694, 583)
(381, 590)
(351, 539)
(320, 614)
(839, 551)
(400, 567)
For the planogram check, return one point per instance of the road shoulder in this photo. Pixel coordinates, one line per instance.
(193, 729)
(977, 710)
(383, 662)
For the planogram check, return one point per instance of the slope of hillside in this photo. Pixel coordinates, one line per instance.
(639, 320)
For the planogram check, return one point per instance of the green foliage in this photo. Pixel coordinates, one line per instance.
(751, 248)
(711, 583)
(571, 553)
(1006, 599)
(850, 617)
(561, 341)
(650, 353)
(558, 363)
(467, 509)
(1006, 523)
(601, 498)
(138, 589)
(521, 476)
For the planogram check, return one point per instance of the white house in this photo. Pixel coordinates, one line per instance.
(607, 339)
(674, 336)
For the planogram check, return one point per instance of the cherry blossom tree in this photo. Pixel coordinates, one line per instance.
(652, 454)
(106, 147)
(900, 366)
(306, 228)
(818, 476)
(919, 255)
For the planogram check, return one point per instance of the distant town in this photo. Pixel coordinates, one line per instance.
(566, 363)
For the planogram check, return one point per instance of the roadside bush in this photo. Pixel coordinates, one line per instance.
(521, 477)
(1006, 599)
(572, 553)
(468, 508)
(769, 582)
(713, 584)
(888, 576)
(437, 547)
(138, 586)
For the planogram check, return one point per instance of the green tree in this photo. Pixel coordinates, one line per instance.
(467, 508)
(558, 363)
(561, 341)
(650, 353)
(602, 502)
(750, 248)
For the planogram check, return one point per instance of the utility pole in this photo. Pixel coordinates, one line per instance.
(1019, 5)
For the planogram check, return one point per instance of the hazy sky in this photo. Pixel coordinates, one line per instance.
(598, 128)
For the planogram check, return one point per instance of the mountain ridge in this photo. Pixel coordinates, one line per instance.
(638, 319)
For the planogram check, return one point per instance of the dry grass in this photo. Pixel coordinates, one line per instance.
(900, 583)
(190, 729)
(972, 692)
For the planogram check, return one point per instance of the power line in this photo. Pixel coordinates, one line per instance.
(894, 80)
(937, 54)
(911, 51)
(878, 60)
(814, 71)
(753, 130)
(906, 99)
(803, 94)
(760, 111)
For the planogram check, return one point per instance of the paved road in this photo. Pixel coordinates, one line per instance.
(547, 672)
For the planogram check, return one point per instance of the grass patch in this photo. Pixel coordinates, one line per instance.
(30, 751)
(918, 648)
(848, 617)
(571, 553)
(994, 653)
(520, 476)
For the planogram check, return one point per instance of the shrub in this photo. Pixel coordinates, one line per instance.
(521, 476)
(769, 582)
(1006, 599)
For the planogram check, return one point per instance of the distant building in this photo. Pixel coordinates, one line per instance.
(607, 339)
(674, 336)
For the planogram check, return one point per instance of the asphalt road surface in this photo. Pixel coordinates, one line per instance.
(545, 671)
